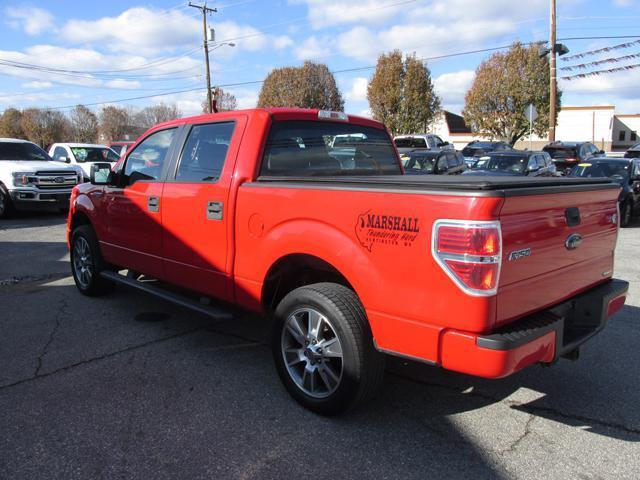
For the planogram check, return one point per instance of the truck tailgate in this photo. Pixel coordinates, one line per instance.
(554, 246)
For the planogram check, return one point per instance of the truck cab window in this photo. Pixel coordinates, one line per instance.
(145, 162)
(205, 152)
(319, 148)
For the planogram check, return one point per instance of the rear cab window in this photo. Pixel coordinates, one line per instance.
(205, 152)
(308, 148)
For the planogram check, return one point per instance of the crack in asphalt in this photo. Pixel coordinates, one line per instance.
(101, 357)
(516, 443)
(529, 409)
(59, 314)
(32, 278)
(118, 352)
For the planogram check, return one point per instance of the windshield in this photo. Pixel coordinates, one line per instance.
(502, 163)
(22, 151)
(614, 170)
(94, 154)
(561, 152)
(410, 142)
(419, 164)
(306, 148)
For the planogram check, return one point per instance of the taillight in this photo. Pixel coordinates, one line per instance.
(470, 252)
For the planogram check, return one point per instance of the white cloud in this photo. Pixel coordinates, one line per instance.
(124, 84)
(358, 90)
(325, 13)
(282, 41)
(313, 47)
(32, 20)
(38, 85)
(37, 99)
(452, 87)
(136, 30)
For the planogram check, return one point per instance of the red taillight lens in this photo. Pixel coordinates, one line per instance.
(478, 276)
(470, 253)
(469, 241)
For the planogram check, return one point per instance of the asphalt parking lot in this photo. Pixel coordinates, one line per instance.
(126, 386)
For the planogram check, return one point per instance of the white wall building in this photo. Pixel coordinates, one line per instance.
(598, 124)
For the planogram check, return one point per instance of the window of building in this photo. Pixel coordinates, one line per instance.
(633, 137)
(622, 136)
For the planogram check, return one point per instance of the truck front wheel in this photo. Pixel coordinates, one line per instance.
(323, 348)
(5, 203)
(87, 263)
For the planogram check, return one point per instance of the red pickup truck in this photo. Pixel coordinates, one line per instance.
(262, 210)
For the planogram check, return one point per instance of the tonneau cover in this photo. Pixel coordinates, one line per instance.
(450, 182)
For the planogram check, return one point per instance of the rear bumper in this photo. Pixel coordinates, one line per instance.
(539, 338)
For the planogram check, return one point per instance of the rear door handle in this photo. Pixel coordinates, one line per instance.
(214, 210)
(153, 204)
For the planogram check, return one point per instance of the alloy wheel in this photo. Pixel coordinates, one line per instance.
(312, 352)
(82, 262)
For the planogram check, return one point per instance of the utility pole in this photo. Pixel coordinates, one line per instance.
(553, 87)
(204, 9)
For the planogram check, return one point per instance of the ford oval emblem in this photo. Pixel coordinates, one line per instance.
(59, 179)
(573, 241)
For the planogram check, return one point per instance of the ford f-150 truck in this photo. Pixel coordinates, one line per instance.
(350, 257)
(31, 180)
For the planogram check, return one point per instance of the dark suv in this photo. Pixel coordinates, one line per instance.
(625, 171)
(514, 163)
(477, 149)
(566, 155)
(633, 152)
(427, 162)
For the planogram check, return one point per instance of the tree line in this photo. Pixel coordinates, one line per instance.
(401, 94)
(46, 126)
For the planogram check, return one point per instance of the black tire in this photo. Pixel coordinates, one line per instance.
(626, 212)
(6, 207)
(83, 241)
(361, 365)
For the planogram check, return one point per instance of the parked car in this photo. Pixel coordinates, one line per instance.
(476, 149)
(120, 147)
(514, 163)
(249, 207)
(83, 155)
(566, 155)
(624, 171)
(31, 180)
(445, 162)
(412, 143)
(633, 152)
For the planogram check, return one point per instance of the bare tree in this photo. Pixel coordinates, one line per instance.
(10, 123)
(115, 123)
(84, 124)
(154, 114)
(224, 101)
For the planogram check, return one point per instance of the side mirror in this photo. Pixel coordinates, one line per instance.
(601, 152)
(101, 173)
(63, 159)
(533, 168)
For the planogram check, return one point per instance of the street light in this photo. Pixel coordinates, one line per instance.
(210, 97)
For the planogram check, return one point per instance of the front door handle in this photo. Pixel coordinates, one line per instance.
(214, 210)
(153, 204)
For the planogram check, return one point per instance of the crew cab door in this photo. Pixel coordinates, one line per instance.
(197, 219)
(132, 208)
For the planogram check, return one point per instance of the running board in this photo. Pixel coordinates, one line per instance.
(175, 298)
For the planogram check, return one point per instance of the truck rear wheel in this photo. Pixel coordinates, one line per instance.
(87, 263)
(323, 348)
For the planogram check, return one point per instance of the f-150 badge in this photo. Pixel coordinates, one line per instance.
(386, 229)
(518, 254)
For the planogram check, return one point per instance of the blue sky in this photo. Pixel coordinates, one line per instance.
(115, 50)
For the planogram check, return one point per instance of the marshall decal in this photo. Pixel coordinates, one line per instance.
(372, 228)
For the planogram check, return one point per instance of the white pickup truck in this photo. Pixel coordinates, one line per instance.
(83, 155)
(31, 180)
